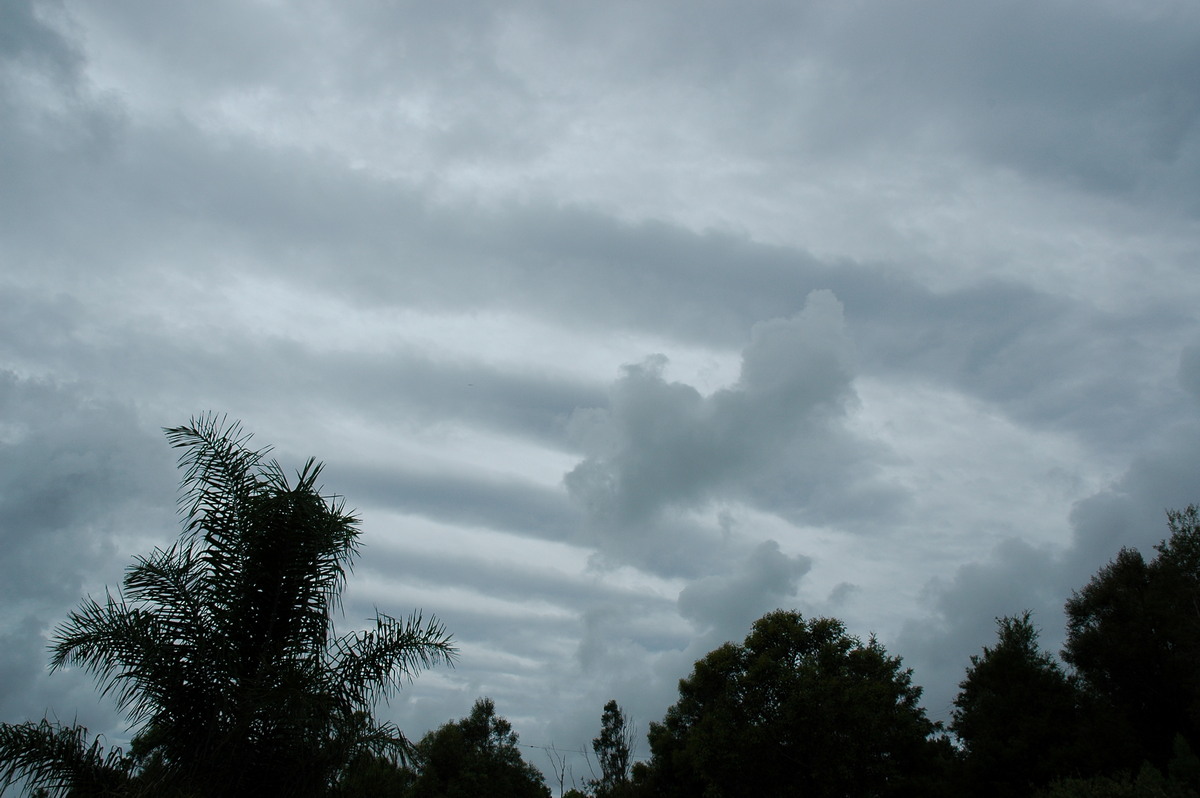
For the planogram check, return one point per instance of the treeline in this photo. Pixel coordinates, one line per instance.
(801, 708)
(222, 653)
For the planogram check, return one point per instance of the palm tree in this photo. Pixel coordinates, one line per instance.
(221, 649)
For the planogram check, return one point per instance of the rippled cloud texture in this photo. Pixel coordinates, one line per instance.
(621, 324)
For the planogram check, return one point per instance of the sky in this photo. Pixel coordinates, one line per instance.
(620, 324)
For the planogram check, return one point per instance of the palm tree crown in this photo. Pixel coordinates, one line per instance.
(221, 649)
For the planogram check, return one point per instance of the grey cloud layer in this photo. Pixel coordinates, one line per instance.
(1019, 576)
(80, 482)
(378, 242)
(178, 186)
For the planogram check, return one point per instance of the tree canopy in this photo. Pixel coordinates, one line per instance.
(1021, 720)
(473, 756)
(221, 649)
(1124, 721)
(614, 750)
(1133, 635)
(800, 708)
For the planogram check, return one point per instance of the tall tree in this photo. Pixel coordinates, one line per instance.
(1021, 720)
(613, 749)
(800, 708)
(1133, 634)
(221, 649)
(476, 755)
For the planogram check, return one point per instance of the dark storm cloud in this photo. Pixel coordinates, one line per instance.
(1100, 96)
(501, 579)
(1095, 95)
(661, 451)
(417, 389)
(1046, 361)
(999, 341)
(22, 661)
(38, 332)
(1132, 511)
(618, 637)
(1002, 342)
(74, 463)
(400, 386)
(1189, 371)
(514, 619)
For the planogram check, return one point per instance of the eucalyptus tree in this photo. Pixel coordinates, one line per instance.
(221, 649)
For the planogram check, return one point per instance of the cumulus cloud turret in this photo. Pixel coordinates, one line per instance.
(661, 448)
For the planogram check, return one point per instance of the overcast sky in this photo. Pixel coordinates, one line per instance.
(619, 323)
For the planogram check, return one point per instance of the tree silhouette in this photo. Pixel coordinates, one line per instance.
(221, 649)
(613, 748)
(473, 756)
(1133, 634)
(801, 708)
(1021, 720)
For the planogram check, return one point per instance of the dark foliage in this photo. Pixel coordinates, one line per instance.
(476, 755)
(801, 708)
(1133, 635)
(221, 649)
(613, 749)
(1021, 720)
(1181, 780)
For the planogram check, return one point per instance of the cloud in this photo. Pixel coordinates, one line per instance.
(26, 39)
(663, 447)
(80, 483)
(1132, 511)
(1097, 97)
(507, 505)
(1189, 371)
(419, 243)
(723, 606)
(1019, 575)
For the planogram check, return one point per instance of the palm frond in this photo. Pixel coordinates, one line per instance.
(127, 650)
(171, 581)
(219, 470)
(275, 595)
(59, 759)
(373, 664)
(221, 647)
(360, 734)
